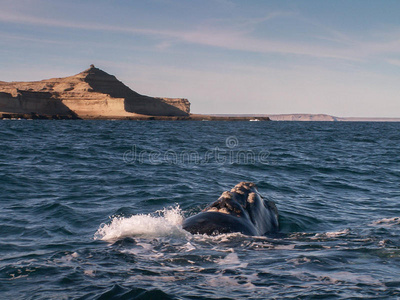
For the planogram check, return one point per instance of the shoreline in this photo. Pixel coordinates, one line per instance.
(191, 117)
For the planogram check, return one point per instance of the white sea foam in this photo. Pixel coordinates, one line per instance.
(242, 282)
(333, 234)
(89, 272)
(167, 222)
(387, 221)
(231, 261)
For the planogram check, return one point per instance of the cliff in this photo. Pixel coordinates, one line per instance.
(92, 93)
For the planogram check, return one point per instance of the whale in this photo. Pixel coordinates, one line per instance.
(241, 210)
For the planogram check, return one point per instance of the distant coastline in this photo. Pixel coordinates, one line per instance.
(312, 117)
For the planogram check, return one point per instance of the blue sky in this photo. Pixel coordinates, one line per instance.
(336, 57)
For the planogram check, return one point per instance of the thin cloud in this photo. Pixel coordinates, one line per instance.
(394, 62)
(31, 20)
(227, 39)
(31, 39)
(245, 24)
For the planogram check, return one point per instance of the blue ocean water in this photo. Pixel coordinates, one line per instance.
(93, 209)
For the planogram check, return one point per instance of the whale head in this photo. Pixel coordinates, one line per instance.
(242, 209)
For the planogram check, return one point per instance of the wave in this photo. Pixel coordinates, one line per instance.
(120, 292)
(387, 221)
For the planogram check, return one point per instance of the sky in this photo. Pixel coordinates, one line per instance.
(225, 56)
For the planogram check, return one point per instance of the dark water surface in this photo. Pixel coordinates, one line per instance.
(92, 210)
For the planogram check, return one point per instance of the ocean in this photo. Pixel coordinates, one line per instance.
(93, 210)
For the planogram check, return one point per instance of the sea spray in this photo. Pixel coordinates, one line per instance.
(166, 222)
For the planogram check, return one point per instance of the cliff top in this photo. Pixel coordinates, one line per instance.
(90, 80)
(94, 73)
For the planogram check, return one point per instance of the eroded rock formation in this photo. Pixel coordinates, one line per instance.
(92, 93)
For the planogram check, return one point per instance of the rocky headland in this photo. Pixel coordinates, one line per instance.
(91, 94)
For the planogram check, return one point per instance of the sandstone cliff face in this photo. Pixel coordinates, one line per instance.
(89, 94)
(181, 103)
(37, 102)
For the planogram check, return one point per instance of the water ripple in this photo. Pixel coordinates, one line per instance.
(336, 186)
